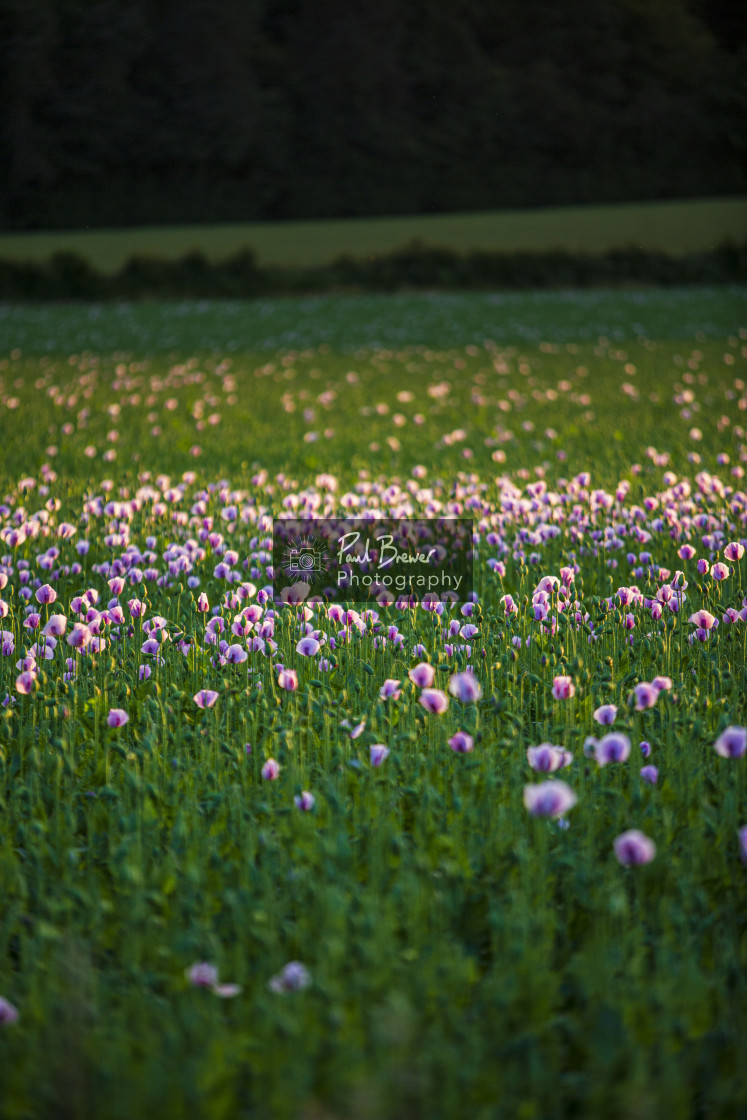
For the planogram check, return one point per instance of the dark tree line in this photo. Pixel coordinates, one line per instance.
(121, 112)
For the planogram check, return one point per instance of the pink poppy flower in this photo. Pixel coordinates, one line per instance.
(271, 770)
(304, 801)
(734, 551)
(686, 552)
(720, 571)
(465, 687)
(378, 752)
(422, 675)
(288, 680)
(703, 619)
(390, 690)
(662, 684)
(308, 647)
(461, 742)
(434, 700)
(203, 605)
(633, 848)
(703, 566)
(117, 717)
(549, 799)
(25, 682)
(563, 688)
(731, 743)
(56, 626)
(205, 698)
(46, 594)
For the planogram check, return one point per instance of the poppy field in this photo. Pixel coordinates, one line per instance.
(392, 860)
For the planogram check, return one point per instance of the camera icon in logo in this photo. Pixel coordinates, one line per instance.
(304, 560)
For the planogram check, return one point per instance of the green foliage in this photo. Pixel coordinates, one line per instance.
(68, 276)
(465, 958)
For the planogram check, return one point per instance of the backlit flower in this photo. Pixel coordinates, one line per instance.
(434, 700)
(205, 698)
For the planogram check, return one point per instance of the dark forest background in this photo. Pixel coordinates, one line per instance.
(183, 111)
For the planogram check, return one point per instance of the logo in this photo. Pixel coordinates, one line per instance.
(305, 560)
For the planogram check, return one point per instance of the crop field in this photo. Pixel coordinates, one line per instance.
(671, 227)
(393, 860)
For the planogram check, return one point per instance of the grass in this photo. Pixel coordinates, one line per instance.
(672, 227)
(465, 957)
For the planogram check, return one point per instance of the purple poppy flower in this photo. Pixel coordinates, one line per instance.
(202, 974)
(703, 566)
(378, 753)
(205, 975)
(465, 687)
(645, 748)
(606, 714)
(46, 594)
(422, 675)
(205, 698)
(742, 837)
(236, 654)
(633, 848)
(650, 774)
(703, 619)
(645, 696)
(390, 690)
(304, 801)
(308, 647)
(294, 977)
(547, 758)
(614, 747)
(117, 717)
(549, 799)
(25, 682)
(8, 1013)
(720, 571)
(271, 770)
(434, 700)
(731, 743)
(461, 742)
(734, 551)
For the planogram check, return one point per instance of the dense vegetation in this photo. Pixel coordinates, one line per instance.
(183, 111)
